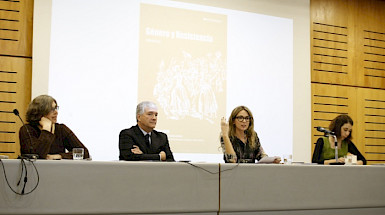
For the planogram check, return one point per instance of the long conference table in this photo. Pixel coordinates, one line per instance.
(121, 187)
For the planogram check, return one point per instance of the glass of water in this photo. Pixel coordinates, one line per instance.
(287, 159)
(78, 153)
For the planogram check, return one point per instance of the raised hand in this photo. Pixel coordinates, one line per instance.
(224, 126)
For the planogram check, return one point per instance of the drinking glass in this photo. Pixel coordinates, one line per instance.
(78, 153)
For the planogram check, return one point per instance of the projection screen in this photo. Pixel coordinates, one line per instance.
(196, 62)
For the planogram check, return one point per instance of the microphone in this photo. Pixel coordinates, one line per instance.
(31, 156)
(327, 132)
(320, 129)
(16, 112)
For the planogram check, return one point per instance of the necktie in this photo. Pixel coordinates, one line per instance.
(147, 138)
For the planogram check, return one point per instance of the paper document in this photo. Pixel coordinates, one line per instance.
(268, 159)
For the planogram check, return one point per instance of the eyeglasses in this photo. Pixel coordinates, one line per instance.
(241, 118)
(55, 108)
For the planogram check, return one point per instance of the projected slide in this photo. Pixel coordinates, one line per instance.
(197, 63)
(182, 67)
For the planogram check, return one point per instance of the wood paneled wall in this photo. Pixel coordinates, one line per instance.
(15, 70)
(348, 70)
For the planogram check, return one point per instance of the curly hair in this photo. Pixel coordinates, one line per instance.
(338, 122)
(39, 107)
(250, 134)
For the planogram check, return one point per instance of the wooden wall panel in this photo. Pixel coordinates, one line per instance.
(330, 62)
(15, 70)
(373, 60)
(16, 27)
(348, 42)
(15, 93)
(370, 43)
(331, 38)
(371, 106)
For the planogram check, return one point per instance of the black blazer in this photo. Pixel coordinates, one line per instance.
(134, 136)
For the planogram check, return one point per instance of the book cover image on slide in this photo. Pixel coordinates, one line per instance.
(182, 68)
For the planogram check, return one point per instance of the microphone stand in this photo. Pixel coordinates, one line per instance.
(327, 133)
(336, 151)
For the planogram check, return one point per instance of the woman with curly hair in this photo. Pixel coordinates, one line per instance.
(324, 152)
(42, 135)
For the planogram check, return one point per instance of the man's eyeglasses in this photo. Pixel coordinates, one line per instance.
(241, 118)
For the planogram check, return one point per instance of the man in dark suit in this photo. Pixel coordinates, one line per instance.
(142, 142)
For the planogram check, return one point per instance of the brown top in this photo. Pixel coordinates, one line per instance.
(42, 142)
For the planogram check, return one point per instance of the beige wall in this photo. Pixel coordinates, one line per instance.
(41, 47)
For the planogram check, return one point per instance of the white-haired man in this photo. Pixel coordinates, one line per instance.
(142, 142)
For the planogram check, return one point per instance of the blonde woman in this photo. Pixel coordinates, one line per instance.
(239, 141)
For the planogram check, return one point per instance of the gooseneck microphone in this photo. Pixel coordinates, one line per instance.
(31, 149)
(16, 112)
(331, 133)
(24, 169)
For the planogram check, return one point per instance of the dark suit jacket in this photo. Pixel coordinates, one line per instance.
(134, 136)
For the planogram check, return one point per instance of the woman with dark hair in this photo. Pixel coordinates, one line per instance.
(324, 152)
(42, 135)
(239, 141)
